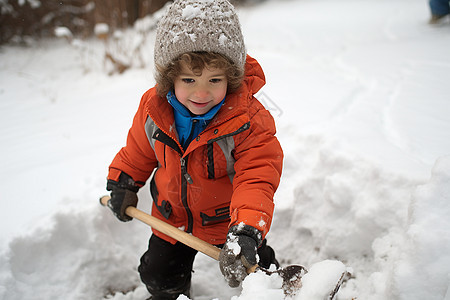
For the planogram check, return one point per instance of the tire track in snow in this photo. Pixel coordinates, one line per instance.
(390, 130)
(406, 95)
(362, 88)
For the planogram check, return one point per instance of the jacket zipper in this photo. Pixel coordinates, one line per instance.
(185, 179)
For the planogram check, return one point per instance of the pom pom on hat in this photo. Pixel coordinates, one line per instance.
(202, 25)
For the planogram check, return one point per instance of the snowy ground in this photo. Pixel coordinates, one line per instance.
(360, 92)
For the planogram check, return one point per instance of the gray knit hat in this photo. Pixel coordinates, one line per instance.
(202, 25)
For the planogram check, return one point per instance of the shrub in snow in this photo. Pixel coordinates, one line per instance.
(132, 47)
(63, 32)
(101, 31)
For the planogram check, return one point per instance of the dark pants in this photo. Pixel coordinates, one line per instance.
(440, 7)
(166, 269)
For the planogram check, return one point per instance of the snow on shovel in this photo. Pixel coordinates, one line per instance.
(291, 275)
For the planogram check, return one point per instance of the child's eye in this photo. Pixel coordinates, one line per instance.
(215, 80)
(187, 80)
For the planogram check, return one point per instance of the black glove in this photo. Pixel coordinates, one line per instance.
(123, 194)
(239, 253)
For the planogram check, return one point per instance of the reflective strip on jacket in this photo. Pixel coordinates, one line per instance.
(227, 175)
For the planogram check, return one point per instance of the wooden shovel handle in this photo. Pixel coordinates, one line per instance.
(169, 230)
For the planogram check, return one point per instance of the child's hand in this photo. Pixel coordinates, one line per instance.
(239, 253)
(123, 194)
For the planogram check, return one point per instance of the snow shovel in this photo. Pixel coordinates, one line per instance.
(291, 275)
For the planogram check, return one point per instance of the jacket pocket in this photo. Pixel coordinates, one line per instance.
(164, 208)
(217, 216)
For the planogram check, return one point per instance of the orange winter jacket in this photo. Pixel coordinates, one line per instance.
(227, 175)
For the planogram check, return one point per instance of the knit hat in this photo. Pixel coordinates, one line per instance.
(202, 25)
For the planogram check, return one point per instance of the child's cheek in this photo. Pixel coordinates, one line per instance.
(220, 93)
(181, 94)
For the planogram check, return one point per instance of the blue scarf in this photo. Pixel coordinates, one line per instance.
(189, 126)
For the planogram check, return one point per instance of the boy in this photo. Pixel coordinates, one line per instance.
(211, 143)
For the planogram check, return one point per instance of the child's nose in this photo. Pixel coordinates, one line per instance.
(202, 93)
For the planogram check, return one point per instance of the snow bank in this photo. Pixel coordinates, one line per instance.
(353, 210)
(423, 268)
(357, 212)
(76, 255)
(341, 204)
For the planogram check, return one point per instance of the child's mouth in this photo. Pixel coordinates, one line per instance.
(198, 104)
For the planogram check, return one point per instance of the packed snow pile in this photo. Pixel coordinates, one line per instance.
(321, 280)
(261, 286)
(74, 256)
(426, 248)
(360, 97)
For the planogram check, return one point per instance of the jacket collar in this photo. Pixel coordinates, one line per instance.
(189, 125)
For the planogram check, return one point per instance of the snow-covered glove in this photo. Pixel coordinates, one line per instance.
(123, 194)
(239, 253)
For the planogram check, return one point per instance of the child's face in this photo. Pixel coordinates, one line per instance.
(200, 93)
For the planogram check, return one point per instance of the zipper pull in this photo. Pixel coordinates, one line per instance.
(184, 171)
(188, 178)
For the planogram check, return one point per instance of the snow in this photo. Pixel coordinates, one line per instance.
(63, 32)
(223, 39)
(33, 3)
(359, 91)
(427, 249)
(101, 28)
(320, 280)
(192, 11)
(261, 286)
(233, 245)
